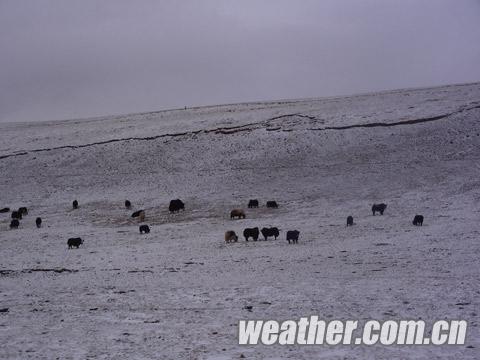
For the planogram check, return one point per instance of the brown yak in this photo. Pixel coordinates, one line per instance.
(237, 213)
(230, 236)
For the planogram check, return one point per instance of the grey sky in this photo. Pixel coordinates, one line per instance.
(69, 59)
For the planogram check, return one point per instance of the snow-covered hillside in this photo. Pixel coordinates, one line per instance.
(179, 292)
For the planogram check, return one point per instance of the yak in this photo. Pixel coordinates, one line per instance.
(253, 203)
(23, 210)
(137, 213)
(144, 229)
(230, 236)
(251, 232)
(14, 224)
(16, 215)
(237, 213)
(74, 242)
(418, 220)
(75, 204)
(292, 235)
(273, 231)
(140, 214)
(128, 204)
(176, 205)
(350, 221)
(5, 210)
(378, 207)
(38, 221)
(272, 204)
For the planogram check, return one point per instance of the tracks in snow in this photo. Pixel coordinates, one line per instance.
(228, 130)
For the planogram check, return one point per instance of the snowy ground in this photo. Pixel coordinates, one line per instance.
(179, 292)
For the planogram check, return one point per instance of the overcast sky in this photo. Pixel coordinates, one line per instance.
(80, 58)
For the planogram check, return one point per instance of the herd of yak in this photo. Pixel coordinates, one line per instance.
(177, 205)
(292, 235)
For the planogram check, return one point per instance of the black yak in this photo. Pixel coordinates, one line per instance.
(5, 210)
(253, 204)
(128, 204)
(292, 235)
(74, 242)
(75, 204)
(230, 236)
(350, 221)
(418, 220)
(23, 210)
(14, 224)
(16, 215)
(136, 213)
(237, 213)
(378, 207)
(272, 204)
(251, 232)
(144, 229)
(140, 214)
(273, 231)
(38, 221)
(176, 205)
